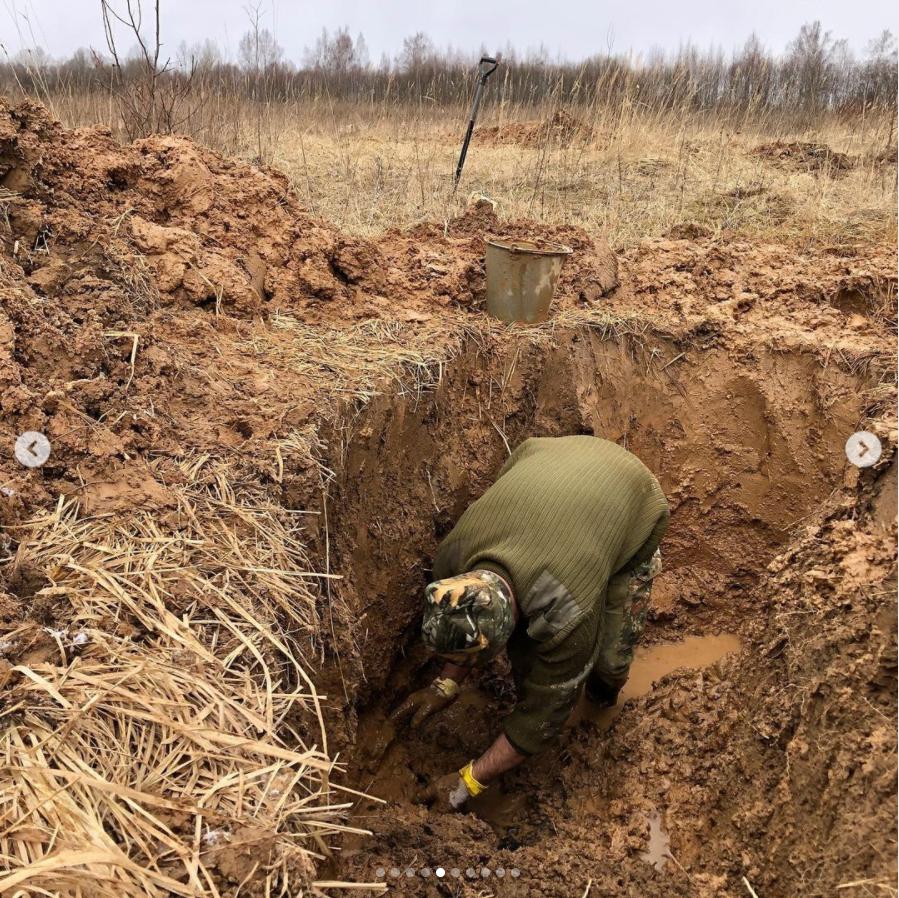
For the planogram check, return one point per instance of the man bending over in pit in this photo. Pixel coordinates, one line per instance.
(554, 564)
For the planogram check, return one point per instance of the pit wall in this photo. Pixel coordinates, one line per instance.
(745, 447)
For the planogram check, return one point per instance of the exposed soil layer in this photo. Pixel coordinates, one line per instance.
(745, 446)
(168, 316)
(749, 450)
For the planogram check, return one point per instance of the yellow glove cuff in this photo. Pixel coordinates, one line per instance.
(473, 786)
(447, 687)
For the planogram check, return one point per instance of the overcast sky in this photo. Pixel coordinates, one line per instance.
(573, 29)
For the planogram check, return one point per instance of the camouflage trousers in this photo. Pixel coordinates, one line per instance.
(624, 619)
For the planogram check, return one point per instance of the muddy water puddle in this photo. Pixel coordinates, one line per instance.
(653, 662)
(658, 849)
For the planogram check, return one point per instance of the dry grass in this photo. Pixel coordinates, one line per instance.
(369, 358)
(634, 182)
(630, 171)
(168, 739)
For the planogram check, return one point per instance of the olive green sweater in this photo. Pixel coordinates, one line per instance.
(565, 515)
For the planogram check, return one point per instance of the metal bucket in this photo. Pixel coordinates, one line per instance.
(521, 278)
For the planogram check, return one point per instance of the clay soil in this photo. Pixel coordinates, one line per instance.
(164, 307)
(561, 128)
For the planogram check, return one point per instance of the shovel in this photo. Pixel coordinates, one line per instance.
(486, 67)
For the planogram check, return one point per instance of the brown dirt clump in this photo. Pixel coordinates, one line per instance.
(805, 156)
(886, 156)
(260, 427)
(560, 129)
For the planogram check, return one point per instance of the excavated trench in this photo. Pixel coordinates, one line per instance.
(746, 446)
(152, 403)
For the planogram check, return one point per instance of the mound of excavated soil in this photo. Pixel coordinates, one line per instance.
(103, 239)
(886, 156)
(212, 231)
(805, 156)
(260, 428)
(560, 129)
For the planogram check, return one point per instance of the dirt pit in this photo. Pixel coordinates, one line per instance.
(262, 428)
(399, 763)
(678, 790)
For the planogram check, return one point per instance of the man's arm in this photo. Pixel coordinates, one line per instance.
(550, 690)
(499, 758)
(452, 791)
(420, 705)
(548, 694)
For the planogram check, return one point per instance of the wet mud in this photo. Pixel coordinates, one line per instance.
(648, 797)
(653, 662)
(395, 764)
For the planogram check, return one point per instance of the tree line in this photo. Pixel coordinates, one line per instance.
(816, 73)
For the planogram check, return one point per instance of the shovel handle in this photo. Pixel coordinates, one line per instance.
(486, 73)
(483, 75)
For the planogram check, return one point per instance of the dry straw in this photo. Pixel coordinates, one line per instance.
(388, 355)
(169, 740)
(372, 357)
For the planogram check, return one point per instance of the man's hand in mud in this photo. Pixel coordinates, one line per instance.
(447, 795)
(419, 706)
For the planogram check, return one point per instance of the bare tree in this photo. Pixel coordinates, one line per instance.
(883, 47)
(258, 50)
(750, 75)
(417, 50)
(338, 53)
(810, 55)
(33, 56)
(151, 98)
(363, 61)
(878, 74)
(259, 53)
(203, 56)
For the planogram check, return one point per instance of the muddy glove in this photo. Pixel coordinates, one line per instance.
(451, 792)
(419, 706)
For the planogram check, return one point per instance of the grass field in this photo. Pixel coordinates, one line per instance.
(635, 181)
(629, 172)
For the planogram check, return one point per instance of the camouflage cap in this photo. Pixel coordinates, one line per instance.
(468, 614)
